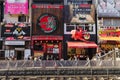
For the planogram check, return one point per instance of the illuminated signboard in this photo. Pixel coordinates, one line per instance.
(16, 6)
(47, 23)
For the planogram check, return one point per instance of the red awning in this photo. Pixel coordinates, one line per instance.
(82, 45)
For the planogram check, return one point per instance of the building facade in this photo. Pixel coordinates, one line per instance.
(109, 25)
(47, 29)
(78, 15)
(15, 30)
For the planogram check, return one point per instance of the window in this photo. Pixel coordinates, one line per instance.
(22, 18)
(38, 46)
(0, 45)
(69, 28)
(107, 22)
(111, 22)
(116, 22)
(2, 54)
(89, 28)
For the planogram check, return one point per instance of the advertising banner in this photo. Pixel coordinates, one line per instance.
(16, 6)
(76, 11)
(109, 8)
(17, 31)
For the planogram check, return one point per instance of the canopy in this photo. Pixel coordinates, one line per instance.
(82, 45)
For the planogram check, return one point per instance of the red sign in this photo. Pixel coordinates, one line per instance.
(47, 6)
(47, 23)
(47, 38)
(85, 5)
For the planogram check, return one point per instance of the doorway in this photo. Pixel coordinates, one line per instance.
(19, 55)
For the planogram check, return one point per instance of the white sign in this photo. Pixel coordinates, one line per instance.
(14, 42)
(27, 53)
(7, 53)
(16, 1)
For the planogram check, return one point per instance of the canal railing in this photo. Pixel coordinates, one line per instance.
(19, 64)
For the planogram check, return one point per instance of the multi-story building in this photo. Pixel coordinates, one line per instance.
(80, 14)
(15, 29)
(47, 29)
(109, 25)
(50, 33)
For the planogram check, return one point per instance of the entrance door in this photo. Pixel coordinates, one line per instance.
(20, 55)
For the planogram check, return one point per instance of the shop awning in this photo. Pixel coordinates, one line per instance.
(82, 45)
(110, 38)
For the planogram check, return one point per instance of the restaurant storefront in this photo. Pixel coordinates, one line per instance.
(16, 40)
(49, 47)
(79, 15)
(47, 30)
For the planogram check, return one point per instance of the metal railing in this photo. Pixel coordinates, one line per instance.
(58, 64)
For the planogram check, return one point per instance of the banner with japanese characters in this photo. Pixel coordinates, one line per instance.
(16, 7)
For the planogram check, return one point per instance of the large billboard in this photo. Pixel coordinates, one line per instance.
(109, 8)
(47, 19)
(16, 6)
(79, 11)
(17, 31)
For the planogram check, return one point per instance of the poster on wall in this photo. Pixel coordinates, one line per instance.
(16, 7)
(12, 53)
(27, 53)
(109, 8)
(6, 53)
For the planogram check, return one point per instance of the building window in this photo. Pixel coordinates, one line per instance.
(38, 46)
(2, 54)
(22, 18)
(111, 22)
(89, 28)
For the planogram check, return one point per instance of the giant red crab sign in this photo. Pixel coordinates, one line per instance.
(80, 35)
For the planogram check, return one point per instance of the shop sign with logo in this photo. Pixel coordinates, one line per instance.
(47, 23)
(109, 32)
(16, 31)
(16, 7)
(14, 42)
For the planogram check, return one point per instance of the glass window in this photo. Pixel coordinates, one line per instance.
(38, 46)
(2, 54)
(69, 28)
(89, 28)
(22, 18)
(86, 27)
(0, 45)
(116, 22)
(107, 22)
